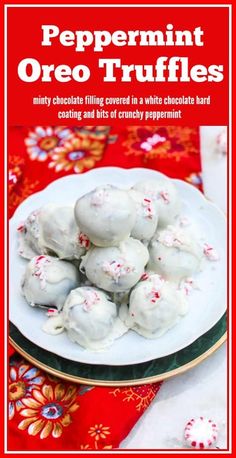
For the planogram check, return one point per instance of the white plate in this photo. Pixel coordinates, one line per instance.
(207, 304)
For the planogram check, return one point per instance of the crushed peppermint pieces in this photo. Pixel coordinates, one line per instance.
(144, 277)
(165, 196)
(83, 240)
(91, 298)
(148, 208)
(21, 227)
(170, 239)
(200, 433)
(39, 269)
(52, 312)
(210, 252)
(187, 285)
(116, 269)
(154, 295)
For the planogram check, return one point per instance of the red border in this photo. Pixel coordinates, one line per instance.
(230, 225)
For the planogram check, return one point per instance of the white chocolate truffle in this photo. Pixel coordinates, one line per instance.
(116, 269)
(164, 193)
(47, 281)
(106, 215)
(146, 216)
(175, 253)
(91, 319)
(28, 236)
(155, 306)
(59, 233)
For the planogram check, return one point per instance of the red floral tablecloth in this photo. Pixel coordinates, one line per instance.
(46, 413)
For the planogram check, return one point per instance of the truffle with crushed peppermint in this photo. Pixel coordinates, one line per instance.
(47, 281)
(155, 306)
(175, 253)
(165, 195)
(115, 269)
(146, 216)
(91, 319)
(106, 215)
(59, 234)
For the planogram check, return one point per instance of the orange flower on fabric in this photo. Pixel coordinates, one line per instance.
(78, 153)
(48, 411)
(99, 432)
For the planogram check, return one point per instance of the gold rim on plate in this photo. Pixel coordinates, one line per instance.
(151, 379)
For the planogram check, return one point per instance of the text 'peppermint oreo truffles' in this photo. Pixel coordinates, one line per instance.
(106, 215)
(165, 195)
(91, 319)
(116, 269)
(155, 306)
(47, 281)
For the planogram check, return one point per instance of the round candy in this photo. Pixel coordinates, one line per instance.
(200, 433)
(106, 215)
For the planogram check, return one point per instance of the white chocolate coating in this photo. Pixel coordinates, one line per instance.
(59, 233)
(146, 216)
(28, 236)
(106, 215)
(91, 319)
(164, 193)
(48, 281)
(116, 269)
(155, 306)
(174, 253)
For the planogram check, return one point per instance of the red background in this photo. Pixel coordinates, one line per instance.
(24, 40)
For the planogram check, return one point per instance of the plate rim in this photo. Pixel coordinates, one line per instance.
(121, 383)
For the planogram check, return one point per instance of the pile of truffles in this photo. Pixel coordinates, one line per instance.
(116, 260)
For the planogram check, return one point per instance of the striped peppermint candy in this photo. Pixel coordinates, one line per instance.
(200, 433)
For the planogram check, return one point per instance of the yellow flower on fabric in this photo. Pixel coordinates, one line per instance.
(49, 411)
(79, 153)
(99, 431)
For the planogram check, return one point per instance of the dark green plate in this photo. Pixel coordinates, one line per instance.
(151, 371)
